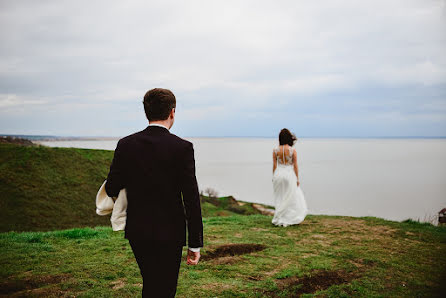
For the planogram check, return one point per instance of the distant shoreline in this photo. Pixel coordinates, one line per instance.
(48, 138)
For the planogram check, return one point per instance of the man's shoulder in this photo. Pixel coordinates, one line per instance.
(130, 138)
(180, 141)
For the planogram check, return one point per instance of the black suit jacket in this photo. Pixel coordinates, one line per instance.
(157, 169)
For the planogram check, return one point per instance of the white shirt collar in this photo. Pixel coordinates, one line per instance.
(159, 125)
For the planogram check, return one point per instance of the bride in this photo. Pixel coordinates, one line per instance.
(291, 207)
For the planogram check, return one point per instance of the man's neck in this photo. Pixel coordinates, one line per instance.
(165, 124)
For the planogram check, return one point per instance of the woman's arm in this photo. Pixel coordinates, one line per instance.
(296, 169)
(274, 161)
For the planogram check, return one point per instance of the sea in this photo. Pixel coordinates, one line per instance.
(391, 178)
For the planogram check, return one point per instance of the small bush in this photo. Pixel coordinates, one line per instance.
(211, 192)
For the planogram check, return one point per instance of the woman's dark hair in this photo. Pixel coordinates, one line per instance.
(286, 137)
(158, 103)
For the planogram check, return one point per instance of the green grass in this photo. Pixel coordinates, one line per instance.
(50, 188)
(325, 255)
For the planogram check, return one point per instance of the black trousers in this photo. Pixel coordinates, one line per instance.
(159, 265)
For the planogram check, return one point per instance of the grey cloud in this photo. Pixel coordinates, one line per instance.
(224, 57)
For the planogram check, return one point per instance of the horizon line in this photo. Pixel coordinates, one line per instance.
(39, 136)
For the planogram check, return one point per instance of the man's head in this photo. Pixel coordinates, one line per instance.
(159, 105)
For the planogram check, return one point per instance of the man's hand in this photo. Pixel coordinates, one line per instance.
(298, 183)
(192, 257)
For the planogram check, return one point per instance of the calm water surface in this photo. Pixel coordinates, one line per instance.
(391, 178)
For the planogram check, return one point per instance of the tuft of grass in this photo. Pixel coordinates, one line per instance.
(85, 233)
(289, 272)
(416, 222)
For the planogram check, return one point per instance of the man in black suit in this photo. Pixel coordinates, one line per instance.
(157, 169)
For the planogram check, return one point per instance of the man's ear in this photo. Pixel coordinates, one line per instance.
(172, 113)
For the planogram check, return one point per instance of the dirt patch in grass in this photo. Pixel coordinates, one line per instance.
(259, 229)
(41, 292)
(356, 226)
(317, 281)
(280, 264)
(308, 255)
(222, 213)
(117, 284)
(215, 286)
(362, 264)
(315, 240)
(232, 250)
(328, 230)
(30, 283)
(226, 260)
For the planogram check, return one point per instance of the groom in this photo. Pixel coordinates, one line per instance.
(157, 169)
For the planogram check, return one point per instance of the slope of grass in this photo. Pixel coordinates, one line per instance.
(50, 188)
(244, 256)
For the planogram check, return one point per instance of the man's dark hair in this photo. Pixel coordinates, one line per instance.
(158, 103)
(286, 137)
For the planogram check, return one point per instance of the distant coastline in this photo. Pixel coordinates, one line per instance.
(58, 138)
(106, 138)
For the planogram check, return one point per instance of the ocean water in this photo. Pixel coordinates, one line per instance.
(394, 179)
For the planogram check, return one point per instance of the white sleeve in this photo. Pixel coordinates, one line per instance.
(193, 249)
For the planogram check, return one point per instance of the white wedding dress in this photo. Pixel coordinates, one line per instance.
(291, 207)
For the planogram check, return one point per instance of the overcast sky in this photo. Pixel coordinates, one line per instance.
(237, 68)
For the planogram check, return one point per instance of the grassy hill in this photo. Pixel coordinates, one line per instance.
(244, 256)
(50, 188)
(46, 188)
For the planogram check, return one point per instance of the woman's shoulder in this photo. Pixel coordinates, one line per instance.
(293, 152)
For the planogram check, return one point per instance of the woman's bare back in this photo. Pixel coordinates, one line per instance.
(284, 154)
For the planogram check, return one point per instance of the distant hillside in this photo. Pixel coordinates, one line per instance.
(46, 188)
(15, 140)
(50, 188)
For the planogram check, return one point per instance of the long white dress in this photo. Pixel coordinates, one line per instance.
(290, 204)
